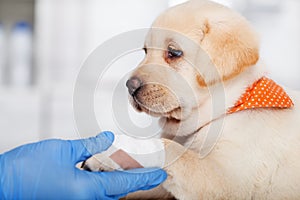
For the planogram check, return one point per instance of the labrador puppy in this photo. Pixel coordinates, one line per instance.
(229, 131)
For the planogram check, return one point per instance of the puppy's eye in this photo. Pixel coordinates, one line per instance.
(174, 53)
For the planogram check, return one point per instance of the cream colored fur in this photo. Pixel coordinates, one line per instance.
(257, 152)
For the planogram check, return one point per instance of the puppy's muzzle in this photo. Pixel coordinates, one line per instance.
(133, 84)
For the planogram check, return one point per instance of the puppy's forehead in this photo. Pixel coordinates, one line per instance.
(174, 28)
(183, 20)
(161, 37)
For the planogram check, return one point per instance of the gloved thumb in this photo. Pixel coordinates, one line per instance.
(85, 148)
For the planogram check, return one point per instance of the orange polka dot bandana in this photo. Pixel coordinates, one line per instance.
(264, 93)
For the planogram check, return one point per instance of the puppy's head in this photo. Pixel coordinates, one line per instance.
(190, 47)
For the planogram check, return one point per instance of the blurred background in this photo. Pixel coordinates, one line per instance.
(43, 43)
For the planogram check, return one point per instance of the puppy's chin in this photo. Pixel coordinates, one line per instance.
(177, 122)
(173, 114)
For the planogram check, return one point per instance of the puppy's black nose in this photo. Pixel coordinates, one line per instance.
(133, 84)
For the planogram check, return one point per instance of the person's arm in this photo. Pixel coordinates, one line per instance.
(46, 170)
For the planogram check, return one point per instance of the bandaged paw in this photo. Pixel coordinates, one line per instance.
(126, 153)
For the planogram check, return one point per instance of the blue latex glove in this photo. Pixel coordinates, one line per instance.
(46, 170)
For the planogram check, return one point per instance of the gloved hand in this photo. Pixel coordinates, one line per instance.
(46, 170)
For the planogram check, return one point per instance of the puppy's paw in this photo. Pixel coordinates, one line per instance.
(100, 162)
(127, 153)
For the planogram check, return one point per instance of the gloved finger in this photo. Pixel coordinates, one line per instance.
(124, 182)
(85, 148)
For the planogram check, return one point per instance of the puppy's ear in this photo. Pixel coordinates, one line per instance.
(231, 44)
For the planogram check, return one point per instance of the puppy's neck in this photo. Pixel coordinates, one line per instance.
(237, 86)
(219, 98)
(225, 94)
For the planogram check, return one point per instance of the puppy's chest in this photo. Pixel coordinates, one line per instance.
(230, 130)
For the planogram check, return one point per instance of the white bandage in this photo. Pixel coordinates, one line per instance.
(129, 152)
